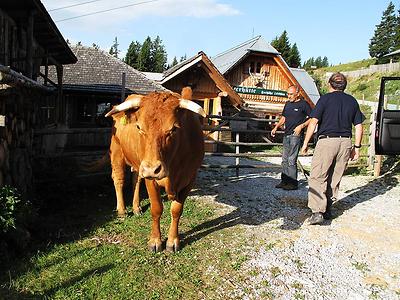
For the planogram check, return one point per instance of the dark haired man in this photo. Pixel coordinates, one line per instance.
(335, 113)
(295, 117)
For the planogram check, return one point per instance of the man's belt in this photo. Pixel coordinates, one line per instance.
(333, 136)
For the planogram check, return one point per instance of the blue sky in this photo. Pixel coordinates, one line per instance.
(339, 29)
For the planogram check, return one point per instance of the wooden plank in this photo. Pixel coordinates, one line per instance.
(29, 46)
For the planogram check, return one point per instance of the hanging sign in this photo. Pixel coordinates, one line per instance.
(258, 91)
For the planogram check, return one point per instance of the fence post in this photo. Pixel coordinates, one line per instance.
(237, 152)
(377, 167)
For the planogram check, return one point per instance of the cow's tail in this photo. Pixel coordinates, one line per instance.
(98, 165)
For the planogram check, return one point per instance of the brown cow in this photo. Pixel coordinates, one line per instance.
(160, 137)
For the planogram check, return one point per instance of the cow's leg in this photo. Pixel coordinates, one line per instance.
(118, 176)
(137, 210)
(173, 242)
(156, 208)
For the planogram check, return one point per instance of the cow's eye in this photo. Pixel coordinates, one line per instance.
(140, 129)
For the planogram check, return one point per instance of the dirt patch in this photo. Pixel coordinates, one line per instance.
(354, 256)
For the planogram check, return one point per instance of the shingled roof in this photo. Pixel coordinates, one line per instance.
(98, 71)
(226, 60)
(307, 83)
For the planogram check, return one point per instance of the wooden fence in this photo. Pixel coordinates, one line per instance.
(235, 126)
(367, 160)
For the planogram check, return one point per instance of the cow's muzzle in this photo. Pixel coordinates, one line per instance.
(152, 170)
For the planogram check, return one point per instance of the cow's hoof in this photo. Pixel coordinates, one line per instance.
(121, 214)
(173, 247)
(155, 247)
(137, 211)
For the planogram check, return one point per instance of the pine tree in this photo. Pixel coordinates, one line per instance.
(183, 58)
(294, 60)
(159, 56)
(174, 62)
(325, 62)
(95, 46)
(132, 55)
(114, 51)
(274, 43)
(282, 45)
(383, 41)
(145, 62)
(397, 32)
(309, 63)
(318, 62)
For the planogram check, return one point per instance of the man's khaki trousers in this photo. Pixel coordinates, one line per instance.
(329, 162)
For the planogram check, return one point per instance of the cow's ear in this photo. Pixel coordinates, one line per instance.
(187, 93)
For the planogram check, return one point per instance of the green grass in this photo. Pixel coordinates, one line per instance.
(82, 251)
(351, 66)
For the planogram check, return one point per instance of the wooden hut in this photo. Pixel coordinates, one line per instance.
(258, 73)
(29, 39)
(91, 86)
(210, 89)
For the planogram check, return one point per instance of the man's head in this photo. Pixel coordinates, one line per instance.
(338, 82)
(293, 93)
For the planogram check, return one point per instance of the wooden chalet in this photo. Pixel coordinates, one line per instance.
(210, 88)
(258, 73)
(29, 39)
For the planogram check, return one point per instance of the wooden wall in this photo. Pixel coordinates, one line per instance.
(15, 48)
(276, 80)
(202, 85)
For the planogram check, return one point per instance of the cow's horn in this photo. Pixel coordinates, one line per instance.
(130, 102)
(190, 105)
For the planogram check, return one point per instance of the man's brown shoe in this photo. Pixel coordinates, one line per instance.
(316, 219)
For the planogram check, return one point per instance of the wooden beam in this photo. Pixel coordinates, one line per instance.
(59, 70)
(29, 45)
(12, 78)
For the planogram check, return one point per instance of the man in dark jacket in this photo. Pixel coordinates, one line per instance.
(335, 113)
(295, 117)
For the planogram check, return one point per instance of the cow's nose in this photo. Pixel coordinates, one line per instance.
(151, 170)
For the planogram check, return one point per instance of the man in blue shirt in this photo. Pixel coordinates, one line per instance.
(295, 117)
(335, 113)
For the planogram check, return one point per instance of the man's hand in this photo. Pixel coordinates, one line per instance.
(273, 131)
(355, 154)
(298, 129)
(304, 149)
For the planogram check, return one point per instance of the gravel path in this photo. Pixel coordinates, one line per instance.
(354, 256)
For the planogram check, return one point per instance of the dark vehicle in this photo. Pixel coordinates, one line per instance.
(387, 135)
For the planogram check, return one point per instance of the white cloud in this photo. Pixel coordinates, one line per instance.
(162, 8)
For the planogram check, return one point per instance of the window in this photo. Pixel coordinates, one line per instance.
(251, 68)
(258, 69)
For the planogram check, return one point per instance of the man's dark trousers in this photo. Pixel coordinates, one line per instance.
(291, 148)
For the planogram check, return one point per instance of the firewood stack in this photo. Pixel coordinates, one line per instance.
(16, 137)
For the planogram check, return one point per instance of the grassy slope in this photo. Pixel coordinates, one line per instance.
(364, 87)
(362, 64)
